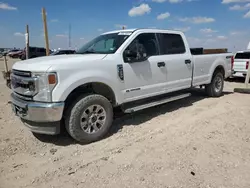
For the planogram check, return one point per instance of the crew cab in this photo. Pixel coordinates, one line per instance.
(130, 69)
(241, 63)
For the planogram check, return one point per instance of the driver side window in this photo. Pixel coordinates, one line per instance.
(144, 45)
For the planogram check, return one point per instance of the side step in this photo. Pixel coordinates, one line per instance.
(155, 103)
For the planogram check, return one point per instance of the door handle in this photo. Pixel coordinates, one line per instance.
(187, 61)
(161, 64)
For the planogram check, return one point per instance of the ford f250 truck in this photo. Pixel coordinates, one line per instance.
(241, 63)
(130, 69)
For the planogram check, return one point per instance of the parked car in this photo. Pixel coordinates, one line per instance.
(61, 52)
(129, 69)
(34, 52)
(241, 63)
(15, 54)
(13, 51)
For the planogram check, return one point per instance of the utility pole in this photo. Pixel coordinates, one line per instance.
(27, 41)
(69, 36)
(45, 31)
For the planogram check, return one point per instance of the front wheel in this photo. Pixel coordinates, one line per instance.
(215, 88)
(89, 118)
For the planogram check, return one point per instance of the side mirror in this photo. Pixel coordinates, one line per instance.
(131, 56)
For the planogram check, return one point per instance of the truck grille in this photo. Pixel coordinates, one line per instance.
(21, 73)
(23, 84)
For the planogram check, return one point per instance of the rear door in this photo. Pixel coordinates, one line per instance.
(241, 60)
(178, 61)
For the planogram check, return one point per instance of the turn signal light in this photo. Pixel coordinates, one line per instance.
(52, 78)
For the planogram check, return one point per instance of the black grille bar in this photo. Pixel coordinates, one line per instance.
(21, 73)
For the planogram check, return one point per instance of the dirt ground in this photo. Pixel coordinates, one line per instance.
(197, 142)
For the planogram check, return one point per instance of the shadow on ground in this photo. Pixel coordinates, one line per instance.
(236, 79)
(121, 120)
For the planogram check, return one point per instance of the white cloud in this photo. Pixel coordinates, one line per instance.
(121, 26)
(18, 34)
(54, 20)
(159, 1)
(100, 30)
(184, 29)
(7, 7)
(234, 1)
(163, 16)
(239, 7)
(173, 1)
(82, 38)
(247, 15)
(61, 35)
(236, 32)
(140, 10)
(197, 20)
(222, 37)
(208, 30)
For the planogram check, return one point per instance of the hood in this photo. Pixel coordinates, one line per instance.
(44, 63)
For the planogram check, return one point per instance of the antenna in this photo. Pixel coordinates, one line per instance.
(69, 36)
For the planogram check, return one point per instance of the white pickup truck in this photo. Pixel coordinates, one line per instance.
(131, 69)
(241, 63)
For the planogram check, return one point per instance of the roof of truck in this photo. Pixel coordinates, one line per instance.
(242, 51)
(144, 29)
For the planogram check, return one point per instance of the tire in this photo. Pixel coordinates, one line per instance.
(89, 118)
(215, 88)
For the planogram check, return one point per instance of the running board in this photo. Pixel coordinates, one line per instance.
(155, 103)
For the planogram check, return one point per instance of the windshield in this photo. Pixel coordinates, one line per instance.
(104, 44)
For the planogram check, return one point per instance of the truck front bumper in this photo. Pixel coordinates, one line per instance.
(39, 117)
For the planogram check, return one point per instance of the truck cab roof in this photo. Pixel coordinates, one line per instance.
(144, 30)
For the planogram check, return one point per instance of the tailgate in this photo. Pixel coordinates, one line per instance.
(240, 65)
(241, 61)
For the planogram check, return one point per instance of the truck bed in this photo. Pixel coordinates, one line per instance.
(202, 69)
(201, 51)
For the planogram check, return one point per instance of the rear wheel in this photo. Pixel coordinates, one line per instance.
(215, 88)
(89, 118)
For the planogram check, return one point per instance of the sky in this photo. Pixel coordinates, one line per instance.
(206, 23)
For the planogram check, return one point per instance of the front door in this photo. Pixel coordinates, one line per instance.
(148, 77)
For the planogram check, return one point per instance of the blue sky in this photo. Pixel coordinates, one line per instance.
(208, 23)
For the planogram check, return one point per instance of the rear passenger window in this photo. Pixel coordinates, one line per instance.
(171, 43)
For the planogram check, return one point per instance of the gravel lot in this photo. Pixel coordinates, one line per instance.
(197, 142)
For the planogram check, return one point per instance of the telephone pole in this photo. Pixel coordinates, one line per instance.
(45, 31)
(27, 41)
(69, 36)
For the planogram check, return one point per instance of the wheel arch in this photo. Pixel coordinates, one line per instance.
(94, 88)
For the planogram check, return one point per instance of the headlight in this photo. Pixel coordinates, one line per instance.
(46, 82)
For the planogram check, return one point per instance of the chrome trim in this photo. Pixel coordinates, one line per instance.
(21, 73)
(36, 111)
(24, 81)
(26, 98)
